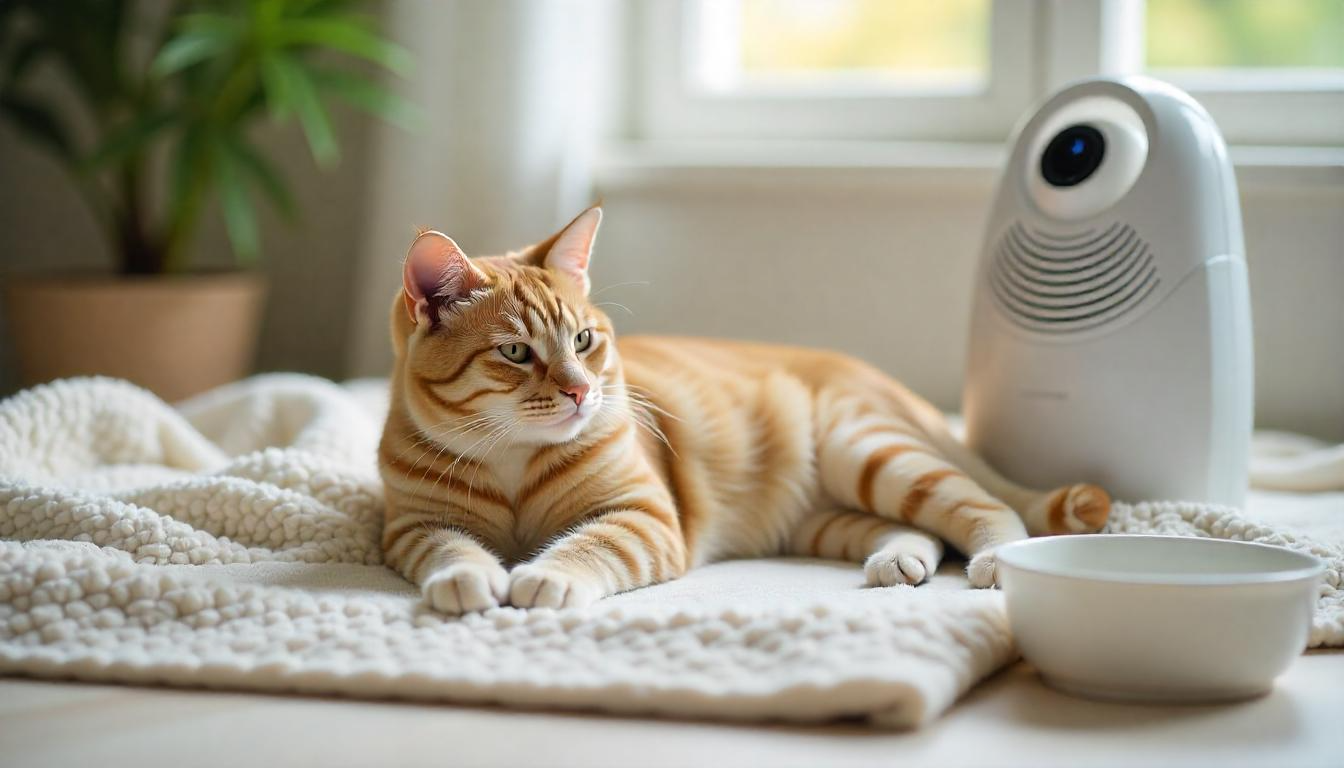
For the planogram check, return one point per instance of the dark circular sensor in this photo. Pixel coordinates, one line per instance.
(1073, 155)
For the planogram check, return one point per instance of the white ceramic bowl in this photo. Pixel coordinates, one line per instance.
(1158, 618)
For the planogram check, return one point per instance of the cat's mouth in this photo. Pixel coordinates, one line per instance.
(567, 418)
(578, 414)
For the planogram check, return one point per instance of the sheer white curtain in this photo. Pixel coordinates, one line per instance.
(511, 91)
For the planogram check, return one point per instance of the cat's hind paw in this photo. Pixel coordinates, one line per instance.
(1086, 508)
(466, 587)
(1080, 508)
(538, 586)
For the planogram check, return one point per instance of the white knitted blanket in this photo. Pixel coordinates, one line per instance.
(233, 543)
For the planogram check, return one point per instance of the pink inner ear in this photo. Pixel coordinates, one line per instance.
(436, 272)
(573, 249)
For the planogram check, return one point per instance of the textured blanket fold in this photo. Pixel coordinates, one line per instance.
(233, 542)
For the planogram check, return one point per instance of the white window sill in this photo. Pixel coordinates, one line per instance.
(932, 165)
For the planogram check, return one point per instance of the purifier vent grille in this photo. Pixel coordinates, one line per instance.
(1069, 283)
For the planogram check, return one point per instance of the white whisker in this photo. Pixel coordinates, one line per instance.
(455, 461)
(642, 412)
(628, 311)
(603, 290)
(510, 427)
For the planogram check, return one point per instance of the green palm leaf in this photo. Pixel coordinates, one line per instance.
(349, 34)
(264, 175)
(370, 97)
(240, 219)
(299, 93)
(182, 52)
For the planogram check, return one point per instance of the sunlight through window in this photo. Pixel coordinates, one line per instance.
(785, 44)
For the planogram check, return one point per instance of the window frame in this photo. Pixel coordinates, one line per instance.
(1036, 47)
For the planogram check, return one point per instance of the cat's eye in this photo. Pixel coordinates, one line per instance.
(516, 352)
(584, 340)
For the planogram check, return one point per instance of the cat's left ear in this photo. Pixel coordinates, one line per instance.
(573, 247)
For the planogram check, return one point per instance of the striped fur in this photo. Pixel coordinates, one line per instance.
(683, 451)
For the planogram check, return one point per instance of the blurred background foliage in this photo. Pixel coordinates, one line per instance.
(908, 39)
(1204, 34)
(882, 37)
(165, 96)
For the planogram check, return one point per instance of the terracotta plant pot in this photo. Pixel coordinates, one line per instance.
(175, 335)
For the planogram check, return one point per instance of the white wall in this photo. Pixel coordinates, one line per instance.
(880, 264)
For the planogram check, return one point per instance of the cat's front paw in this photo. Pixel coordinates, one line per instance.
(888, 569)
(982, 570)
(538, 586)
(466, 587)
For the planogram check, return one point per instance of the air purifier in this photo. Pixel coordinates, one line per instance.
(1111, 327)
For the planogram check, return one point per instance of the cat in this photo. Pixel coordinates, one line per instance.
(529, 458)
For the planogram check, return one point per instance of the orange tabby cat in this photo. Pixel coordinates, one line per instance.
(531, 459)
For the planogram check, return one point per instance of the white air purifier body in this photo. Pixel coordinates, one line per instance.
(1111, 329)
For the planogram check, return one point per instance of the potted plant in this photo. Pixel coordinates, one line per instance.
(170, 95)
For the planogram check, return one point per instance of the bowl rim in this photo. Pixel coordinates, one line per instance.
(1312, 568)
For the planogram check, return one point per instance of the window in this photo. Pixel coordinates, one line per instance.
(874, 45)
(844, 69)
(966, 70)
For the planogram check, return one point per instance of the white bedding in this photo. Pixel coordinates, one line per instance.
(233, 544)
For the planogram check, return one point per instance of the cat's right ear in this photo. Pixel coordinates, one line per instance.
(437, 272)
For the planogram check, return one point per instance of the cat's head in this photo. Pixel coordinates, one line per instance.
(504, 348)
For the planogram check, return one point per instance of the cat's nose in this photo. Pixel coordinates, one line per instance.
(575, 392)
